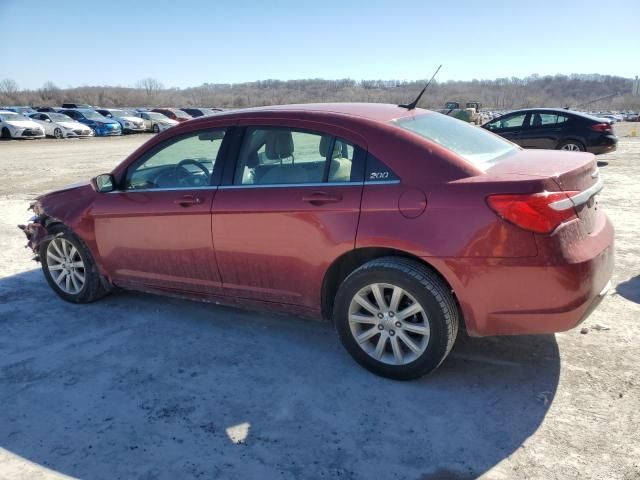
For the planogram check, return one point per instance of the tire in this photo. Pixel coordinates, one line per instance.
(6, 134)
(423, 289)
(156, 128)
(58, 133)
(57, 248)
(571, 146)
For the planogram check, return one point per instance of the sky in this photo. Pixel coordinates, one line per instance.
(185, 43)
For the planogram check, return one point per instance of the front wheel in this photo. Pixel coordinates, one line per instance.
(58, 133)
(156, 128)
(69, 268)
(396, 318)
(6, 134)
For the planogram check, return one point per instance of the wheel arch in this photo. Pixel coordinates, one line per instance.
(349, 261)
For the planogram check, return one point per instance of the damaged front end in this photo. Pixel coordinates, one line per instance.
(36, 230)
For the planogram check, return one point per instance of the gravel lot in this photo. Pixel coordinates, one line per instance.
(139, 386)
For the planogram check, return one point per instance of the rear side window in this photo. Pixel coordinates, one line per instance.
(546, 120)
(474, 144)
(281, 156)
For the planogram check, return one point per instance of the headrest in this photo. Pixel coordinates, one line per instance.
(279, 144)
(325, 143)
(339, 149)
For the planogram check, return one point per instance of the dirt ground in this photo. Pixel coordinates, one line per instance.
(139, 386)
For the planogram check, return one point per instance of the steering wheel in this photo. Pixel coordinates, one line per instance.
(182, 174)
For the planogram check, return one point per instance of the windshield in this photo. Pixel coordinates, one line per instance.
(12, 117)
(59, 117)
(474, 144)
(157, 116)
(91, 115)
(122, 113)
(181, 114)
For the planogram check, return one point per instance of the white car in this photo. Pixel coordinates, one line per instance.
(14, 125)
(59, 125)
(127, 120)
(156, 122)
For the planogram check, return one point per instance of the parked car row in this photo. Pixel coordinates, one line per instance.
(81, 120)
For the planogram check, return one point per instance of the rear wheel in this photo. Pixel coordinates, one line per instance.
(69, 268)
(6, 134)
(156, 128)
(571, 146)
(396, 318)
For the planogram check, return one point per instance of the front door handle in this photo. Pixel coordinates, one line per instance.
(188, 200)
(321, 198)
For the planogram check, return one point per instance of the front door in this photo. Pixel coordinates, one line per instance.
(156, 229)
(290, 209)
(509, 126)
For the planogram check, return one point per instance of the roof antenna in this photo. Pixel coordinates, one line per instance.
(412, 105)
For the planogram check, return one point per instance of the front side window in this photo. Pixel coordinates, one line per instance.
(183, 162)
(515, 121)
(273, 156)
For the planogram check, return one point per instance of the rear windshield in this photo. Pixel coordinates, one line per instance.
(474, 144)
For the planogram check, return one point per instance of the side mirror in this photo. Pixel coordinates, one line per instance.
(48, 120)
(103, 183)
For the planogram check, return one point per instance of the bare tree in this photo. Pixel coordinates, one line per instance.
(49, 92)
(8, 87)
(151, 86)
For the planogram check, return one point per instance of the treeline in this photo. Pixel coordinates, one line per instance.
(501, 93)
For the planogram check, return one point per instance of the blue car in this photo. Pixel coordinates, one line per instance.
(103, 126)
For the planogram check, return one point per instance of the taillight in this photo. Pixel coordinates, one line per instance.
(601, 127)
(533, 212)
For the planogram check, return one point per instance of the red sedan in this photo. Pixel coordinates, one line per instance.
(173, 114)
(399, 225)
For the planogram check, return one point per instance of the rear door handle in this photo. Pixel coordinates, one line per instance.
(187, 200)
(321, 198)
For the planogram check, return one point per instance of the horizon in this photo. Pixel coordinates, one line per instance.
(357, 81)
(205, 43)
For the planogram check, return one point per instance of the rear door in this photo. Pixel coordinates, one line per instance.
(544, 130)
(288, 207)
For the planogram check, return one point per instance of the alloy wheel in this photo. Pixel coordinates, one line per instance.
(389, 324)
(571, 147)
(65, 266)
(57, 133)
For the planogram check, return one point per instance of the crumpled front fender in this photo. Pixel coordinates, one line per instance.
(36, 233)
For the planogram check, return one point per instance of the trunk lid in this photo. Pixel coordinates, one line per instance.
(570, 171)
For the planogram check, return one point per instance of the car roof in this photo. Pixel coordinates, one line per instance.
(548, 109)
(377, 112)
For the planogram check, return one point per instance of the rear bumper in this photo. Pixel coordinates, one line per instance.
(550, 293)
(604, 144)
(602, 149)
